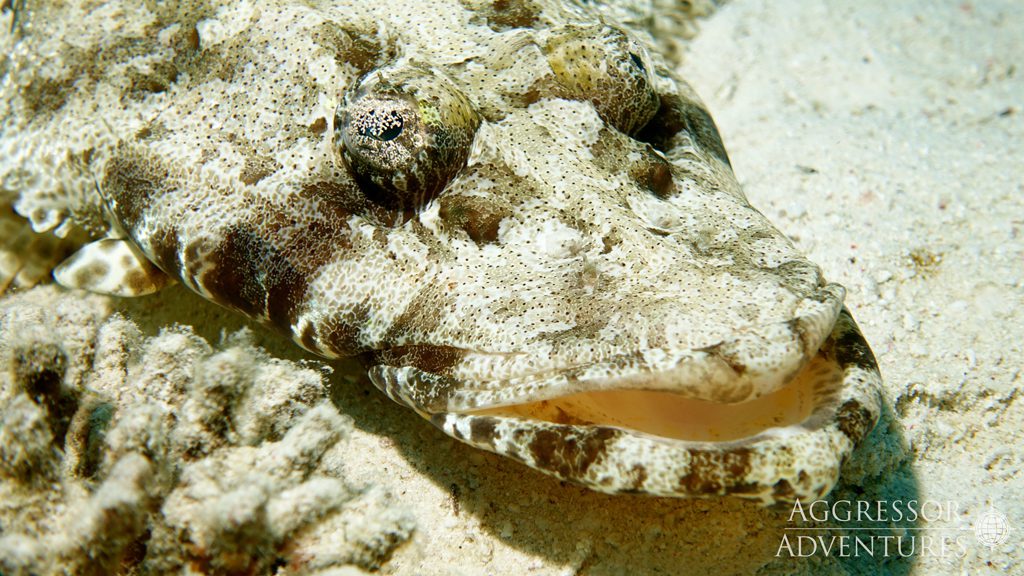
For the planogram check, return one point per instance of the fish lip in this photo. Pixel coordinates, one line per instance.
(775, 466)
(727, 372)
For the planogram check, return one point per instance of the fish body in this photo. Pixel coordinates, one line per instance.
(514, 213)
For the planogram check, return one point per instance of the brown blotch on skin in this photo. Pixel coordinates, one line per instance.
(250, 275)
(434, 359)
(164, 245)
(158, 78)
(569, 451)
(417, 317)
(438, 420)
(319, 126)
(676, 115)
(89, 275)
(716, 350)
(462, 207)
(346, 196)
(428, 392)
(479, 217)
(502, 15)
(850, 348)
(47, 95)
(339, 333)
(718, 472)
(237, 277)
(855, 421)
(637, 478)
(284, 298)
(265, 266)
(803, 337)
(350, 47)
(344, 193)
(783, 491)
(308, 338)
(609, 242)
(257, 169)
(482, 430)
(137, 281)
(133, 182)
(188, 39)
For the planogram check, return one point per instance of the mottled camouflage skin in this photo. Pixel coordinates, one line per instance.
(551, 212)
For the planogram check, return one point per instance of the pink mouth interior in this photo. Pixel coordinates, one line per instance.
(677, 417)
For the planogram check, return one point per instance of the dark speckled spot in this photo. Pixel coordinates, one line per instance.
(717, 472)
(237, 275)
(569, 451)
(637, 477)
(482, 430)
(46, 95)
(91, 274)
(256, 169)
(164, 244)
(502, 15)
(350, 47)
(137, 281)
(319, 126)
(783, 490)
(850, 348)
(479, 217)
(340, 333)
(308, 338)
(346, 196)
(855, 421)
(433, 359)
(157, 78)
(134, 182)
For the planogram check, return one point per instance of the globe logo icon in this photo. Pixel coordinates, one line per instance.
(992, 529)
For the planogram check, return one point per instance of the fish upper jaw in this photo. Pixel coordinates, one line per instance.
(755, 362)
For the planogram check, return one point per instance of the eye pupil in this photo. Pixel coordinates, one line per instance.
(383, 129)
(390, 133)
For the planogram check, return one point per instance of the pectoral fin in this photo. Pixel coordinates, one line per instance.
(113, 267)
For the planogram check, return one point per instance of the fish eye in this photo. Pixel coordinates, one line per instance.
(404, 132)
(603, 65)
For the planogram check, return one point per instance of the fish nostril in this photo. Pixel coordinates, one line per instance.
(654, 173)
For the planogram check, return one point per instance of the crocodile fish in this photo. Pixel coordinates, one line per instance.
(513, 212)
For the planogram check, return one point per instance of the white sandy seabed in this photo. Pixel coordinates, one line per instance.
(886, 138)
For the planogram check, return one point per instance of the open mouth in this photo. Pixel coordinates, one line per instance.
(677, 417)
(635, 434)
